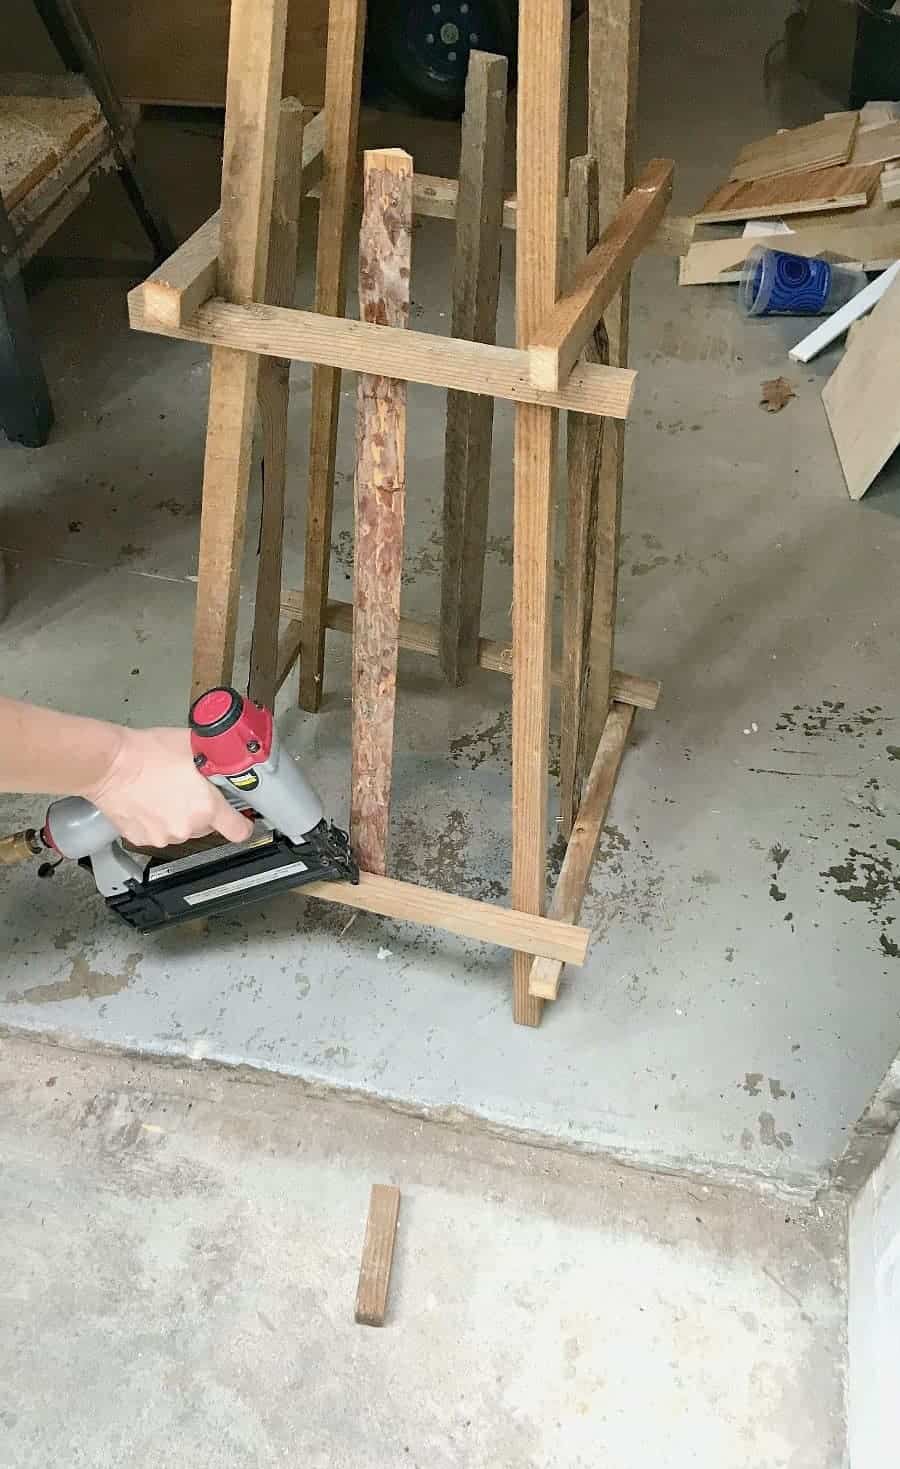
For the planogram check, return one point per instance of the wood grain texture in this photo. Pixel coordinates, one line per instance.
(385, 246)
(190, 276)
(819, 145)
(563, 334)
(860, 397)
(579, 859)
(613, 51)
(417, 357)
(256, 54)
(273, 394)
(466, 917)
(541, 123)
(584, 443)
(423, 637)
(715, 262)
(343, 73)
(796, 193)
(470, 418)
(876, 145)
(377, 1255)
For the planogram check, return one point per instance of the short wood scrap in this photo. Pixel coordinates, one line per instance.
(819, 145)
(380, 498)
(470, 417)
(861, 400)
(795, 193)
(377, 1255)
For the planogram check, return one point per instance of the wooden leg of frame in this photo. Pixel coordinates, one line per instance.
(584, 440)
(343, 72)
(579, 859)
(273, 395)
(384, 265)
(253, 96)
(470, 417)
(542, 97)
(613, 38)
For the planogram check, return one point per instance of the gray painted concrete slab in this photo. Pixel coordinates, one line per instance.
(740, 1000)
(179, 1254)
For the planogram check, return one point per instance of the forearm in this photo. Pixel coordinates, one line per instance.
(54, 754)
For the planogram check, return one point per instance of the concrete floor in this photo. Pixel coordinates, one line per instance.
(178, 1262)
(740, 1000)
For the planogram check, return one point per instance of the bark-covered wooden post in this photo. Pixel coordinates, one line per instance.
(380, 496)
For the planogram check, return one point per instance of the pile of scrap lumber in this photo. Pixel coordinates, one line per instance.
(828, 187)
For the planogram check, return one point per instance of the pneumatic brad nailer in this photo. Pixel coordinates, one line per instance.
(235, 746)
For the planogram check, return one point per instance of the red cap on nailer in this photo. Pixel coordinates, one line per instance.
(228, 732)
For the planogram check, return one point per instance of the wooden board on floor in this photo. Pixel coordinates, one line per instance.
(861, 399)
(36, 135)
(797, 193)
(819, 145)
(379, 496)
(377, 1255)
(710, 262)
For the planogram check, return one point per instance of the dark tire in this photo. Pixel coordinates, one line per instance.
(418, 50)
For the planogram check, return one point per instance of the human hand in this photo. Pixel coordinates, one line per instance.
(155, 797)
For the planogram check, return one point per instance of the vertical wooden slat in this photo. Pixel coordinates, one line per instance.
(380, 495)
(273, 393)
(584, 440)
(613, 46)
(470, 417)
(255, 61)
(343, 71)
(542, 97)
